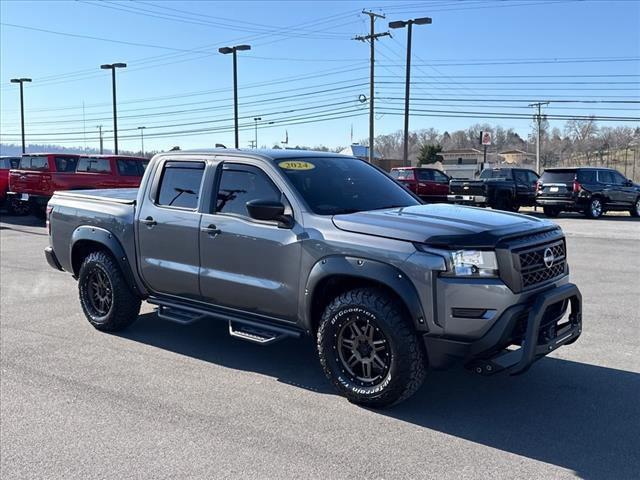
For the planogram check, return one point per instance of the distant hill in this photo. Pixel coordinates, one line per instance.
(11, 149)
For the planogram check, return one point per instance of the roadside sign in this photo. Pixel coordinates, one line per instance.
(485, 138)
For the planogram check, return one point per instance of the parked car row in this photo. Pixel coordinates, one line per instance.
(591, 191)
(33, 178)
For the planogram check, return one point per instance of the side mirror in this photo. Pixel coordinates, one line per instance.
(628, 183)
(269, 210)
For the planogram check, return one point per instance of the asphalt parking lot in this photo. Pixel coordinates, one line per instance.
(162, 400)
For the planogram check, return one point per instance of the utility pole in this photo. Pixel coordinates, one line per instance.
(371, 38)
(538, 118)
(142, 138)
(99, 127)
(21, 81)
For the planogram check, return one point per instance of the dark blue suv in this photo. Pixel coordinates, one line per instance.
(592, 191)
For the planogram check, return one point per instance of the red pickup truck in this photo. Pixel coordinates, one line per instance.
(39, 175)
(430, 184)
(6, 164)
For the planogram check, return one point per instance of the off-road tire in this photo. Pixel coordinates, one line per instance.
(635, 209)
(125, 304)
(591, 211)
(407, 359)
(551, 211)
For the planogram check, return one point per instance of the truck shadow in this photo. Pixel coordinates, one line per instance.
(577, 416)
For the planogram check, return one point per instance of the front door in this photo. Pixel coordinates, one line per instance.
(168, 228)
(248, 264)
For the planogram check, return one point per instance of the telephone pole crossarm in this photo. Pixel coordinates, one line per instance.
(371, 38)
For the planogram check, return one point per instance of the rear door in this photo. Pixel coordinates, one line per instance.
(248, 264)
(440, 185)
(129, 172)
(93, 172)
(425, 187)
(525, 188)
(168, 226)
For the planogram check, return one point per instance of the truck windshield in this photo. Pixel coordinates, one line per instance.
(332, 186)
(499, 173)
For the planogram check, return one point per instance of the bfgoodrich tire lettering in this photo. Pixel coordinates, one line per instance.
(388, 344)
(107, 300)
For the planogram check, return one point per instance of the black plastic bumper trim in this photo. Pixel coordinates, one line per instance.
(52, 260)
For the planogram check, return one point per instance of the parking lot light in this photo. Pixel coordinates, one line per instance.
(112, 67)
(21, 81)
(233, 50)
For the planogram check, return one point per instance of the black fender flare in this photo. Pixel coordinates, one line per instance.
(363, 268)
(107, 239)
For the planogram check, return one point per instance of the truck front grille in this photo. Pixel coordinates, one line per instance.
(542, 263)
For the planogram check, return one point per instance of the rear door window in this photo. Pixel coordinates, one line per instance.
(128, 167)
(425, 175)
(93, 165)
(66, 164)
(520, 177)
(180, 185)
(558, 176)
(587, 176)
(604, 176)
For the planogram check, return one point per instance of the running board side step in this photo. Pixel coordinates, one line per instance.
(261, 332)
(183, 317)
(254, 334)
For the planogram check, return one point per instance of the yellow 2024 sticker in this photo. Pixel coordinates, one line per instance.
(296, 165)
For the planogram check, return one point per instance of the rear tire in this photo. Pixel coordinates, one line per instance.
(106, 299)
(595, 208)
(369, 350)
(551, 211)
(635, 210)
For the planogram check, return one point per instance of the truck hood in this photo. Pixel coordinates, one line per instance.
(443, 225)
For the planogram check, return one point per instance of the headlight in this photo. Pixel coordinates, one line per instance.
(472, 263)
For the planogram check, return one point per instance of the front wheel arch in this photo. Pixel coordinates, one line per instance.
(334, 275)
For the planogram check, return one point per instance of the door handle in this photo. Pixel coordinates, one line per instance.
(149, 222)
(211, 230)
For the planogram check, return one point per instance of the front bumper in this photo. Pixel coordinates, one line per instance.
(473, 199)
(536, 327)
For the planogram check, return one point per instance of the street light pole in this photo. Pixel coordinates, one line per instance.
(256, 119)
(233, 50)
(538, 117)
(407, 86)
(142, 138)
(99, 127)
(21, 81)
(113, 67)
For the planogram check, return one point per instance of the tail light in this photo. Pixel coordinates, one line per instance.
(538, 186)
(576, 186)
(49, 210)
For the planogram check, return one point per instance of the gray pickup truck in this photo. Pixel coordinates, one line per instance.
(287, 243)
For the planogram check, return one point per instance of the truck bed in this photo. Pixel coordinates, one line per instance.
(118, 195)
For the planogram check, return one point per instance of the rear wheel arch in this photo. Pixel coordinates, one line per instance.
(87, 239)
(333, 276)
